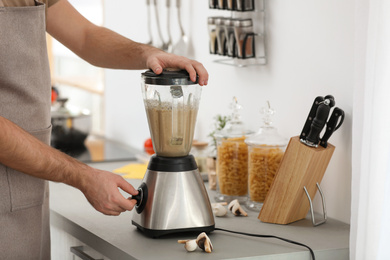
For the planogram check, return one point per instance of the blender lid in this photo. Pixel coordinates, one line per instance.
(168, 77)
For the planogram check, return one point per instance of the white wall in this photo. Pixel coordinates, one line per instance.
(310, 51)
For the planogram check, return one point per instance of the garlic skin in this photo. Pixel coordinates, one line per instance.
(218, 209)
(236, 209)
(204, 242)
(189, 245)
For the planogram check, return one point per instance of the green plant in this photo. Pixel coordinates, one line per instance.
(219, 124)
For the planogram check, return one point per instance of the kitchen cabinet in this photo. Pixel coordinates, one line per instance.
(67, 247)
(116, 238)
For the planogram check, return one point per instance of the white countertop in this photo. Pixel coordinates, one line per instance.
(118, 239)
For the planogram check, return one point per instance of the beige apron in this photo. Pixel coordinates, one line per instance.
(24, 100)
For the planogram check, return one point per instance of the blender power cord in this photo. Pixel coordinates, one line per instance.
(270, 236)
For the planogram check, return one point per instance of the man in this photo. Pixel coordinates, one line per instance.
(26, 159)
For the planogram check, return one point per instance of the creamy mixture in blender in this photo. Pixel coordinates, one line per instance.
(171, 133)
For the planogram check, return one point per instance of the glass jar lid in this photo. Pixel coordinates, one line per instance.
(234, 127)
(267, 134)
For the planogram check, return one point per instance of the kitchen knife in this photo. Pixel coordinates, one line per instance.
(318, 123)
(312, 114)
(310, 117)
(335, 121)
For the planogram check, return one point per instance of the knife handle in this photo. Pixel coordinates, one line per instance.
(334, 123)
(332, 102)
(310, 117)
(318, 123)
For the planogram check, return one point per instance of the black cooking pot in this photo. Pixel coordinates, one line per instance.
(70, 126)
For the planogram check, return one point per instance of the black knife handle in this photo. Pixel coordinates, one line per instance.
(310, 117)
(331, 100)
(318, 123)
(334, 123)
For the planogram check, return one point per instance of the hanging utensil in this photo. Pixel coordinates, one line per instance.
(164, 45)
(149, 24)
(169, 43)
(181, 47)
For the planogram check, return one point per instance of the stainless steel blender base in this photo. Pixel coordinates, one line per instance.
(176, 202)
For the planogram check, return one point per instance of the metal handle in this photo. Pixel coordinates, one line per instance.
(158, 23)
(78, 251)
(149, 23)
(169, 43)
(178, 6)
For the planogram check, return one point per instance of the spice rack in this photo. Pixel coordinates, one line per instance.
(238, 37)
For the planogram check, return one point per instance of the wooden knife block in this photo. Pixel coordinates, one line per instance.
(301, 166)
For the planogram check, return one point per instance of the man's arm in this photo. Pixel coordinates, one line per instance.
(105, 48)
(23, 152)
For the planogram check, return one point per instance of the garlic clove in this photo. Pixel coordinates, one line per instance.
(236, 209)
(204, 242)
(189, 245)
(218, 209)
(232, 203)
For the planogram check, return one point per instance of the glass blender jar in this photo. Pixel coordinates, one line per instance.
(232, 158)
(172, 182)
(171, 106)
(266, 149)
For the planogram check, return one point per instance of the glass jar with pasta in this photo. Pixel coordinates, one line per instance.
(265, 152)
(232, 159)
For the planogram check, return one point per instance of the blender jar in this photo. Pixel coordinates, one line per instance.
(266, 149)
(171, 102)
(232, 159)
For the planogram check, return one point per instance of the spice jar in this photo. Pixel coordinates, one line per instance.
(232, 159)
(222, 4)
(212, 27)
(213, 4)
(265, 152)
(220, 33)
(245, 38)
(230, 39)
(245, 5)
(231, 5)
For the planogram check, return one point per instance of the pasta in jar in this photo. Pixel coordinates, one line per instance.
(232, 166)
(263, 164)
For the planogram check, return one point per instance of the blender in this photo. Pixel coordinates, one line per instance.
(172, 196)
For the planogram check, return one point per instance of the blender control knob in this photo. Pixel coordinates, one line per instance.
(141, 198)
(138, 197)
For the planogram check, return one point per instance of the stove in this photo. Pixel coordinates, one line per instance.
(98, 149)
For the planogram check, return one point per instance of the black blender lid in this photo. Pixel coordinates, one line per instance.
(168, 77)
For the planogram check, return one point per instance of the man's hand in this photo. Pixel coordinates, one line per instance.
(160, 60)
(101, 190)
